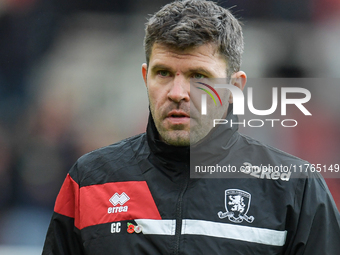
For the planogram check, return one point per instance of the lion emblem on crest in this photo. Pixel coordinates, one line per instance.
(237, 203)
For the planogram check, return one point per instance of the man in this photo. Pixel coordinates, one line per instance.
(137, 197)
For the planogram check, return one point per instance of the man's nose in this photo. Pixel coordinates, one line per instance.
(180, 89)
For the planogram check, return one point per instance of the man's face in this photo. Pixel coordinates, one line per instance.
(175, 107)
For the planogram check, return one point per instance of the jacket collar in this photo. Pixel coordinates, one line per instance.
(165, 152)
(213, 147)
(217, 144)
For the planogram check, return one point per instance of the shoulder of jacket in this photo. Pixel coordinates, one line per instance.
(272, 152)
(268, 155)
(115, 155)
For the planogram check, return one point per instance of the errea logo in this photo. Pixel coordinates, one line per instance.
(118, 199)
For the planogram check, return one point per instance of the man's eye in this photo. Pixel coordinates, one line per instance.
(198, 76)
(163, 73)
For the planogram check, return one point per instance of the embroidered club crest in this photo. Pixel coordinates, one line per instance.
(237, 204)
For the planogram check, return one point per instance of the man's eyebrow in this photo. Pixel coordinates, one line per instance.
(201, 70)
(160, 67)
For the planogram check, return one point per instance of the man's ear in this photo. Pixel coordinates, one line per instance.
(145, 72)
(238, 79)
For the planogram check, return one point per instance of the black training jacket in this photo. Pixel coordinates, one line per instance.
(137, 197)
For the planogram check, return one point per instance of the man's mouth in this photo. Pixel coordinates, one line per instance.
(177, 114)
(178, 117)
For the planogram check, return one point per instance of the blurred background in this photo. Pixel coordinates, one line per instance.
(70, 82)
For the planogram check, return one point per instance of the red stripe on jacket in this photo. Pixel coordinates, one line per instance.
(91, 205)
(67, 202)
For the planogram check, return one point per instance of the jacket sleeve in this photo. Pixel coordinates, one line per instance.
(318, 221)
(63, 234)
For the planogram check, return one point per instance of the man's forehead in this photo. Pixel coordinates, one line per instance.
(205, 56)
(208, 49)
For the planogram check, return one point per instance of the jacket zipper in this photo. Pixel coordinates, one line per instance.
(179, 213)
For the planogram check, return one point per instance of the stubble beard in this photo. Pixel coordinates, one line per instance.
(199, 126)
(199, 129)
(175, 137)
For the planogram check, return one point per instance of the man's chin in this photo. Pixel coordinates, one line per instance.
(176, 138)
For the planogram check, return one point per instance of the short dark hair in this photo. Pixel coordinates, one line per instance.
(190, 23)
